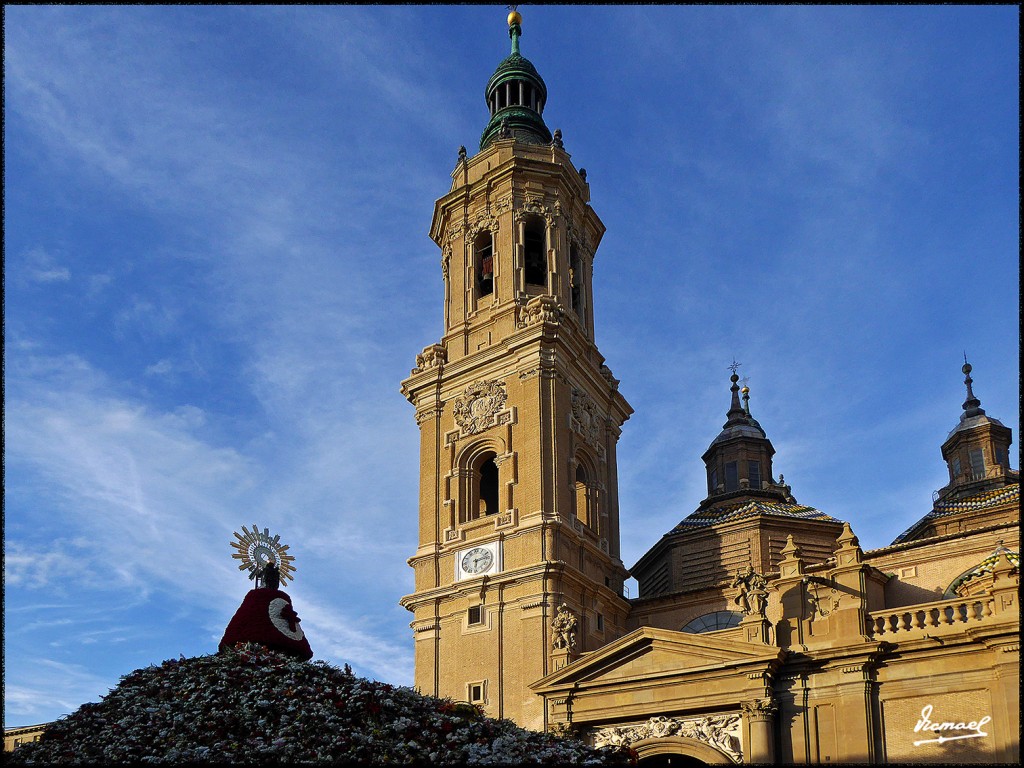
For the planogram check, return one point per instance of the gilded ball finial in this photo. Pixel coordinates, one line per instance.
(515, 18)
(745, 390)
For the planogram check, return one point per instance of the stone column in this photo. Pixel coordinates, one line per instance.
(759, 719)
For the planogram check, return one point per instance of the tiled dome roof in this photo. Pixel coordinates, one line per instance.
(991, 498)
(702, 519)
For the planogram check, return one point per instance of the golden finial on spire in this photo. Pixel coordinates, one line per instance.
(514, 17)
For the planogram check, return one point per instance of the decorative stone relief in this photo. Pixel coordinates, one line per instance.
(822, 603)
(454, 231)
(752, 592)
(446, 258)
(483, 222)
(502, 204)
(759, 708)
(586, 420)
(540, 309)
(480, 405)
(433, 356)
(535, 206)
(427, 415)
(720, 731)
(563, 629)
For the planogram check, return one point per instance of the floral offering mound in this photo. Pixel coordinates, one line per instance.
(252, 705)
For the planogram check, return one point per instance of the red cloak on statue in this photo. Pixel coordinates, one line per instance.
(266, 616)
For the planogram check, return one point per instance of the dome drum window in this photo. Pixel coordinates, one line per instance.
(712, 622)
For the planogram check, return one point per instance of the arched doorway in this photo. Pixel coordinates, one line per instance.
(677, 752)
(670, 761)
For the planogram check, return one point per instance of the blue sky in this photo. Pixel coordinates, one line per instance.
(217, 272)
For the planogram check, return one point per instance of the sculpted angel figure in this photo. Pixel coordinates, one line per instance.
(752, 597)
(563, 629)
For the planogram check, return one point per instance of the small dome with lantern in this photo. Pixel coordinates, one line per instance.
(515, 96)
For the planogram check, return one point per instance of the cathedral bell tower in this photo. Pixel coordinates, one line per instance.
(517, 570)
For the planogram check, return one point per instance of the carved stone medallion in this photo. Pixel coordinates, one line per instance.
(479, 406)
(586, 420)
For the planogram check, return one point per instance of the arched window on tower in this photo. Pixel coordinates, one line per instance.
(576, 280)
(485, 477)
(535, 259)
(483, 248)
(582, 494)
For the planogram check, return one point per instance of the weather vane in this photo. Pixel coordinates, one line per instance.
(257, 551)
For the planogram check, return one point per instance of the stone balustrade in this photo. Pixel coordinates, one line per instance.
(949, 613)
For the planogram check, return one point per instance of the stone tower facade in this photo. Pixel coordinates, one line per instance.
(517, 570)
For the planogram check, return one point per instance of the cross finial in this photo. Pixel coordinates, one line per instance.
(734, 365)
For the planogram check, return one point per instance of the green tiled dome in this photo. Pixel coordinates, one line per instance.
(516, 111)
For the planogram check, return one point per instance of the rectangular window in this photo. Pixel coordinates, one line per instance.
(732, 479)
(713, 482)
(476, 615)
(956, 467)
(1001, 456)
(977, 462)
(476, 693)
(600, 623)
(754, 474)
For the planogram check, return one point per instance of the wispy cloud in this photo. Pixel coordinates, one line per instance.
(39, 266)
(55, 685)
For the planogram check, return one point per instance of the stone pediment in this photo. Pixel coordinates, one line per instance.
(649, 653)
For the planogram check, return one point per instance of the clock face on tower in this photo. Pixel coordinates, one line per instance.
(477, 560)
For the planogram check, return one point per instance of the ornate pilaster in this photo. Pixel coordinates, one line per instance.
(759, 719)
